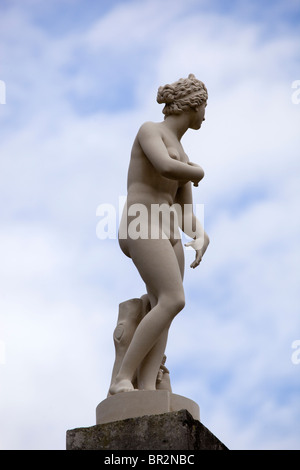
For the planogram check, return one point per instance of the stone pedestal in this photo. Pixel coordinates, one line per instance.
(175, 430)
(143, 402)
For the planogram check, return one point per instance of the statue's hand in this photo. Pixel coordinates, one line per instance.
(195, 181)
(194, 164)
(197, 259)
(198, 245)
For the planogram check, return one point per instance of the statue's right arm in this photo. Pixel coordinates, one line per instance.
(155, 150)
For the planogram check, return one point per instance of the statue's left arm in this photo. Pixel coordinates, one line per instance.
(189, 223)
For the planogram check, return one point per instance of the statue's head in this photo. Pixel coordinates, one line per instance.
(183, 95)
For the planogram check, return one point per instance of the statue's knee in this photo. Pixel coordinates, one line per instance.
(173, 303)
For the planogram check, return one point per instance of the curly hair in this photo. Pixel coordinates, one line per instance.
(182, 95)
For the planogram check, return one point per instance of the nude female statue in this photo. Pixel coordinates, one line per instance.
(160, 173)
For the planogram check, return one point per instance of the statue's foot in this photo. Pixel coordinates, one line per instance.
(121, 386)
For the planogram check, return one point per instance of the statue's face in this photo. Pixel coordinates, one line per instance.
(198, 116)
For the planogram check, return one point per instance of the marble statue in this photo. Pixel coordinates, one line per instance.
(160, 175)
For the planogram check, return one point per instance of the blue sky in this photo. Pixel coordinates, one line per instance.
(81, 77)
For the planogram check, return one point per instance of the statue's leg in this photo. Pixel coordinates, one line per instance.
(130, 314)
(158, 265)
(149, 368)
(153, 364)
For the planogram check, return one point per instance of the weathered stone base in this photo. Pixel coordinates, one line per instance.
(169, 431)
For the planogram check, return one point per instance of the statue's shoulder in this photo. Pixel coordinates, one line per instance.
(147, 128)
(149, 125)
